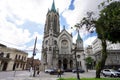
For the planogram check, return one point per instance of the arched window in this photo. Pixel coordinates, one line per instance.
(55, 42)
(48, 27)
(19, 57)
(2, 54)
(55, 23)
(22, 57)
(50, 49)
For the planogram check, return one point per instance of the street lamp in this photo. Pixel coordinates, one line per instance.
(75, 49)
(34, 53)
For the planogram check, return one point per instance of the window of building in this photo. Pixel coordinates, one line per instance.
(16, 56)
(2, 54)
(8, 55)
(22, 57)
(55, 42)
(17, 65)
(19, 57)
(78, 56)
(25, 58)
(21, 65)
(46, 42)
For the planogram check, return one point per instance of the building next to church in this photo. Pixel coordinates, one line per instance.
(57, 45)
(33, 62)
(12, 59)
(113, 58)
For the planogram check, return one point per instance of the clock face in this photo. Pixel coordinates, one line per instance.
(64, 43)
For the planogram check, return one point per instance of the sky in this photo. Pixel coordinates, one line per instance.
(22, 20)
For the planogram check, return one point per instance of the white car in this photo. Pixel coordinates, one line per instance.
(48, 70)
(111, 73)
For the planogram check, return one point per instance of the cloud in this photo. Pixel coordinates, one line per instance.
(14, 13)
(89, 41)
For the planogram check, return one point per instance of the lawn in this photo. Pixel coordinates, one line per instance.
(90, 79)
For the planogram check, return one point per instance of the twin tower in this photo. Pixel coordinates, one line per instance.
(57, 45)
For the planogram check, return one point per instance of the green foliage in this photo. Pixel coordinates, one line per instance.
(108, 24)
(89, 79)
(89, 61)
(98, 65)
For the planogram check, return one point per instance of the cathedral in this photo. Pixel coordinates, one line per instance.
(57, 46)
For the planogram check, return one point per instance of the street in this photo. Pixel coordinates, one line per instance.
(25, 75)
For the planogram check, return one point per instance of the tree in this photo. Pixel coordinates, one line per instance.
(89, 62)
(107, 28)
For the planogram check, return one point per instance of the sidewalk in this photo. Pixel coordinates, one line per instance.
(24, 75)
(28, 78)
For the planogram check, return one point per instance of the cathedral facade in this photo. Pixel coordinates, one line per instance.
(57, 46)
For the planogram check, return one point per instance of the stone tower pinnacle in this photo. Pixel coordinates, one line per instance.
(79, 41)
(53, 7)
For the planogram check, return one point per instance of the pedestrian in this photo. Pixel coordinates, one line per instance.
(59, 73)
(31, 72)
(38, 72)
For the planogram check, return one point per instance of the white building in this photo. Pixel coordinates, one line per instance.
(113, 53)
(12, 59)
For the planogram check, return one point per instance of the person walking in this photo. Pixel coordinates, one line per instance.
(59, 73)
(38, 72)
(31, 72)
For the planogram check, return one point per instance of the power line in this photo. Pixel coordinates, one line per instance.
(27, 50)
(10, 43)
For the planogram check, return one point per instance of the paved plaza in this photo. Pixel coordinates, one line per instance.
(25, 75)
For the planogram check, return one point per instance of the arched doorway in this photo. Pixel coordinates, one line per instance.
(59, 64)
(4, 66)
(71, 64)
(14, 66)
(65, 61)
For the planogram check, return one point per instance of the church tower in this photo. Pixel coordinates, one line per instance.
(79, 42)
(80, 53)
(52, 22)
(57, 46)
(51, 32)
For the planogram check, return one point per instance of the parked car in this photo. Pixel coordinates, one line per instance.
(80, 70)
(68, 70)
(55, 71)
(118, 70)
(48, 70)
(111, 73)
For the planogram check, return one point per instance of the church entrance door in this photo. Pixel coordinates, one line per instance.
(65, 61)
(59, 64)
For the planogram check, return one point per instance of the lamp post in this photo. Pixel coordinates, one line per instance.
(75, 49)
(34, 53)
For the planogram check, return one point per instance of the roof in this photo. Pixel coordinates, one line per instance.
(78, 37)
(53, 7)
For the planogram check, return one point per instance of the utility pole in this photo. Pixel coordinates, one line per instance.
(78, 77)
(34, 53)
(77, 70)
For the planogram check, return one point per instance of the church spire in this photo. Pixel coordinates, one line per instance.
(53, 7)
(78, 37)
